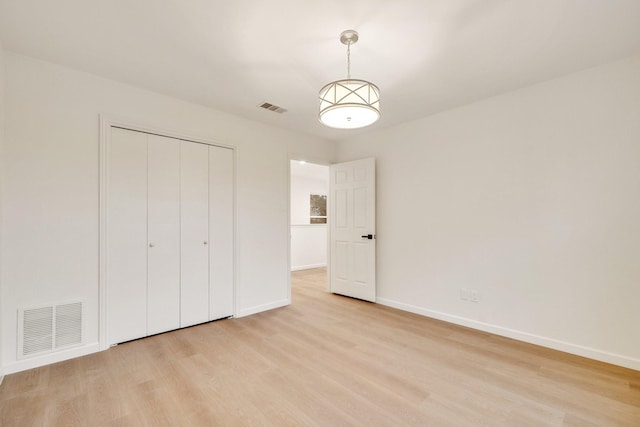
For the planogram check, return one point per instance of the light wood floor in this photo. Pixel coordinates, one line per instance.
(325, 360)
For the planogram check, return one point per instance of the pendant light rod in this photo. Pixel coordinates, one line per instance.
(349, 61)
(349, 37)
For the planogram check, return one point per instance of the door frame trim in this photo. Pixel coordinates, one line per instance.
(106, 123)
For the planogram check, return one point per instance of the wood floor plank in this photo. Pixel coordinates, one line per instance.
(325, 360)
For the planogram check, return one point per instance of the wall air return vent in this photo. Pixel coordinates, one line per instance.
(272, 107)
(46, 329)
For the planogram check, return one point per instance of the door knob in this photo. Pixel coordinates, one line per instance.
(368, 236)
(151, 245)
(205, 242)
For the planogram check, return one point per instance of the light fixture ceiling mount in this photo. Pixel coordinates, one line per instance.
(349, 103)
(349, 37)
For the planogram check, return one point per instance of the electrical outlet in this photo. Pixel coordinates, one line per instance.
(475, 296)
(464, 294)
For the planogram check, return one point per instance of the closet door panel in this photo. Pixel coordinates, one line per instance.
(221, 230)
(126, 236)
(163, 297)
(194, 224)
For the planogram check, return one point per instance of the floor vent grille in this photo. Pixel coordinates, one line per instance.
(49, 328)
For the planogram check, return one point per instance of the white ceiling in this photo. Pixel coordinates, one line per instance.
(425, 55)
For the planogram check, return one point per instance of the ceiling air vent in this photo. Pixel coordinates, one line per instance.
(272, 107)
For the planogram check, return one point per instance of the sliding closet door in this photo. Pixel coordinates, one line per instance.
(221, 229)
(163, 200)
(194, 224)
(127, 236)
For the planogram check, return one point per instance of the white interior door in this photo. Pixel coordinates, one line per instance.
(352, 264)
(126, 266)
(163, 288)
(221, 229)
(194, 233)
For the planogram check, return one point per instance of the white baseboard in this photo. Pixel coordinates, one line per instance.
(306, 267)
(579, 350)
(260, 308)
(47, 359)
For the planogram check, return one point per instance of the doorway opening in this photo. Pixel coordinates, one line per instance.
(309, 190)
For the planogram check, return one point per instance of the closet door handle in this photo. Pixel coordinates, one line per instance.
(151, 245)
(205, 242)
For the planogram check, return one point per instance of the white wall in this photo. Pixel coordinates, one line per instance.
(308, 241)
(50, 224)
(308, 246)
(532, 198)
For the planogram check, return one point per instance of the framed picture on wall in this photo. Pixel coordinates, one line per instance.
(318, 210)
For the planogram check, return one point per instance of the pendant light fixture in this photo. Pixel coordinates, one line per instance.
(349, 103)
